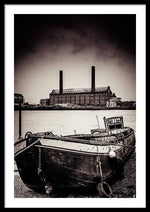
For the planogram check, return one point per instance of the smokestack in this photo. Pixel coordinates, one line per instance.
(93, 80)
(61, 82)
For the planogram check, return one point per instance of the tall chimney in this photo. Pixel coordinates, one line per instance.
(93, 80)
(61, 82)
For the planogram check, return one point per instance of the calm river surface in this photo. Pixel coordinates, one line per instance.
(63, 122)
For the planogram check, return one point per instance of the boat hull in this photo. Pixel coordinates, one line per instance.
(63, 167)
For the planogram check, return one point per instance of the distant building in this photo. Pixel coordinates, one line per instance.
(81, 96)
(112, 102)
(128, 104)
(118, 102)
(18, 98)
(118, 99)
(44, 102)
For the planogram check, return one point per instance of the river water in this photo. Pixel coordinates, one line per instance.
(63, 122)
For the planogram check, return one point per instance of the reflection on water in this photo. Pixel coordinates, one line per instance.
(66, 121)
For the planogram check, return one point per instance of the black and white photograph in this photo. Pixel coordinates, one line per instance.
(75, 106)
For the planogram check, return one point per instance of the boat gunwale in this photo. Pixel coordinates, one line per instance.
(86, 152)
(75, 140)
(35, 135)
(90, 142)
(103, 134)
(71, 150)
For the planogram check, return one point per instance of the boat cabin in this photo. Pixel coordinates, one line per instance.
(113, 123)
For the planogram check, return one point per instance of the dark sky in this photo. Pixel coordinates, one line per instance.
(45, 44)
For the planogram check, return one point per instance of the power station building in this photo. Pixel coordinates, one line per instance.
(93, 96)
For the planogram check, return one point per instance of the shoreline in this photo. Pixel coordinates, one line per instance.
(73, 108)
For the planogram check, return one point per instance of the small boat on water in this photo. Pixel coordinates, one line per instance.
(45, 160)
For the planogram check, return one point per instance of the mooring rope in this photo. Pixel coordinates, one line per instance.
(100, 164)
(40, 171)
(111, 195)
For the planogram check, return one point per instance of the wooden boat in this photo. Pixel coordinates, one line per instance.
(45, 160)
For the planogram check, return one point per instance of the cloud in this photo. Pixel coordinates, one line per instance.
(108, 35)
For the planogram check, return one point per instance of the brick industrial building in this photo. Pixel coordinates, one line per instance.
(93, 96)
